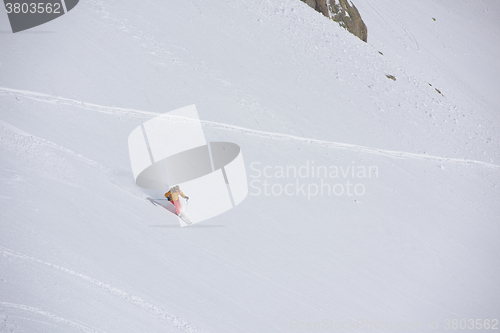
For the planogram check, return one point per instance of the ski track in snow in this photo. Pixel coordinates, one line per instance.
(6, 127)
(49, 315)
(264, 134)
(174, 320)
(33, 320)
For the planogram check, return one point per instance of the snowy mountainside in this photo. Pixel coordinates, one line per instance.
(81, 250)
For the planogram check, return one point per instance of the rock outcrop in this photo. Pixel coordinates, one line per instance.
(344, 12)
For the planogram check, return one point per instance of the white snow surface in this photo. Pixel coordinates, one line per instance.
(81, 250)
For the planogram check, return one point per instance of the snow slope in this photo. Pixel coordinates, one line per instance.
(81, 250)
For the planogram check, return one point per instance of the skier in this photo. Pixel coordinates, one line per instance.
(173, 196)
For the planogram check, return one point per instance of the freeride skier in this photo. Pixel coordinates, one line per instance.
(173, 196)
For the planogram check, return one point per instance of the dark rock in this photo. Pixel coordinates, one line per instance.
(343, 12)
(392, 77)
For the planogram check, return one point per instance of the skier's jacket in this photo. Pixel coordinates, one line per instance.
(174, 194)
